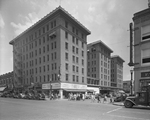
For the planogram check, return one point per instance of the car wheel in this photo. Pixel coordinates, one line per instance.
(128, 104)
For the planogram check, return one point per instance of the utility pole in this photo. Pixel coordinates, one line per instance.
(131, 82)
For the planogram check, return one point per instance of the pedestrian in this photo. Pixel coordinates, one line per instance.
(92, 98)
(75, 97)
(99, 98)
(105, 98)
(83, 97)
(69, 96)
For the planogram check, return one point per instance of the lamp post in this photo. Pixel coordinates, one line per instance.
(131, 71)
(50, 88)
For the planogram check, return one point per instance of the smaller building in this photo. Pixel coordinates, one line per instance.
(141, 45)
(116, 72)
(126, 86)
(98, 65)
(6, 80)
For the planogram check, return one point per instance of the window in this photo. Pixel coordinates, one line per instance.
(77, 78)
(73, 77)
(51, 24)
(66, 35)
(52, 67)
(77, 60)
(43, 39)
(47, 77)
(82, 53)
(76, 32)
(82, 62)
(66, 45)
(35, 43)
(67, 66)
(47, 67)
(77, 41)
(77, 50)
(55, 55)
(54, 44)
(39, 32)
(73, 59)
(39, 41)
(44, 68)
(82, 36)
(145, 32)
(82, 44)
(73, 49)
(47, 37)
(43, 58)
(43, 49)
(67, 77)
(66, 24)
(77, 69)
(54, 23)
(43, 29)
(66, 56)
(82, 79)
(145, 54)
(47, 27)
(73, 29)
(73, 68)
(55, 66)
(52, 56)
(82, 70)
(73, 39)
(47, 48)
(40, 60)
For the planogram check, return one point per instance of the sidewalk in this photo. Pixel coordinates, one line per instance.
(118, 103)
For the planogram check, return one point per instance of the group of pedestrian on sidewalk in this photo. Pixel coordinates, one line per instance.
(78, 96)
(102, 98)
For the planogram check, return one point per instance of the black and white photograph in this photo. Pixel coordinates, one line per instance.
(74, 59)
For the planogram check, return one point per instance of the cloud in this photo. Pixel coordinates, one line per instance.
(28, 22)
(111, 6)
(91, 9)
(2, 23)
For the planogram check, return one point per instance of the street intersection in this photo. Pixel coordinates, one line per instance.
(20, 109)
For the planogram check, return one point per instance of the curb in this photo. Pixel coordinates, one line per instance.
(119, 103)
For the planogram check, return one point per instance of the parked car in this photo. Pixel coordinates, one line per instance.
(41, 96)
(120, 98)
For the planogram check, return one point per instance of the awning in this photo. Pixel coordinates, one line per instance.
(90, 90)
(75, 90)
(2, 88)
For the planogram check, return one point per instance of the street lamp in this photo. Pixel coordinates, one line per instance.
(50, 88)
(131, 71)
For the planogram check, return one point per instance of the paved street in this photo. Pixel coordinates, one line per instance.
(20, 109)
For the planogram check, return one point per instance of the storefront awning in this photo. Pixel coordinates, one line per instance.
(75, 90)
(2, 88)
(90, 90)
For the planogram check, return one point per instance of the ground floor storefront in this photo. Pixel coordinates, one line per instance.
(63, 90)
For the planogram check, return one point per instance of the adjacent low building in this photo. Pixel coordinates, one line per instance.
(6, 80)
(142, 49)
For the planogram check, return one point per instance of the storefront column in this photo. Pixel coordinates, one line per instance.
(61, 94)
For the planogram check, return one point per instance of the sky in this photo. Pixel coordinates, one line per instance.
(108, 21)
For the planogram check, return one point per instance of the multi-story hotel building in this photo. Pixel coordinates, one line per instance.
(53, 50)
(99, 65)
(141, 49)
(116, 72)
